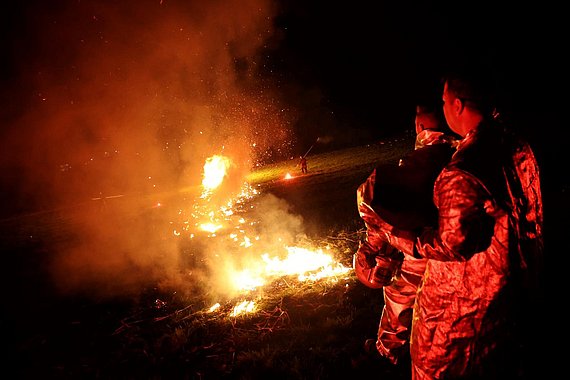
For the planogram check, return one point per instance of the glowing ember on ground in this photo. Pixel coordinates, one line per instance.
(288, 176)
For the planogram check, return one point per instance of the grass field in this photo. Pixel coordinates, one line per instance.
(109, 314)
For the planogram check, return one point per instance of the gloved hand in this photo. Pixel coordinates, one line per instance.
(376, 268)
(379, 232)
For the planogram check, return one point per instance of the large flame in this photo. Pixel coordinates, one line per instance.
(215, 169)
(304, 263)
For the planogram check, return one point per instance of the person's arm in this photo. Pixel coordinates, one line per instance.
(375, 262)
(379, 231)
(465, 223)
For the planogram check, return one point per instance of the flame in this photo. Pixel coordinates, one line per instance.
(307, 264)
(246, 280)
(299, 261)
(243, 308)
(214, 307)
(215, 169)
(288, 176)
(212, 218)
(210, 227)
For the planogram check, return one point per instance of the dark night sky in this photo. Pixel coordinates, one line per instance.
(372, 59)
(78, 75)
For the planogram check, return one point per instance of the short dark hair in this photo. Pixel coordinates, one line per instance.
(433, 108)
(473, 85)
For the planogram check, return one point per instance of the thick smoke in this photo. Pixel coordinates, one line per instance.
(275, 227)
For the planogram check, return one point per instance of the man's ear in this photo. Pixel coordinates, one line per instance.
(458, 105)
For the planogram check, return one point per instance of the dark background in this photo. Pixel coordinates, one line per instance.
(373, 60)
(347, 71)
(369, 59)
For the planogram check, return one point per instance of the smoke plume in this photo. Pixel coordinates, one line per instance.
(115, 106)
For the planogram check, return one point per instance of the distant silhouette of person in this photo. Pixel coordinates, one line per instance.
(403, 195)
(303, 164)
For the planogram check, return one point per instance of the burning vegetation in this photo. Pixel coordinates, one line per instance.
(250, 297)
(127, 153)
(252, 255)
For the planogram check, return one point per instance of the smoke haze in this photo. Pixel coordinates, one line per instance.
(114, 105)
(116, 94)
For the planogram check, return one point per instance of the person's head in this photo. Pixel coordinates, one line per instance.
(468, 98)
(427, 117)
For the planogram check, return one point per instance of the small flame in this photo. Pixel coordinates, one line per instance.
(214, 307)
(210, 227)
(243, 308)
(288, 176)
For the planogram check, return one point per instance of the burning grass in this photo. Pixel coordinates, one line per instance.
(290, 326)
(294, 330)
(294, 324)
